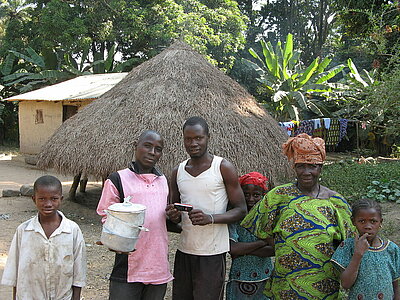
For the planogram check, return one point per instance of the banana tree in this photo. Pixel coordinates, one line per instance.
(295, 89)
(32, 71)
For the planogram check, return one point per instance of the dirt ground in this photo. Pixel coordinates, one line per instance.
(14, 210)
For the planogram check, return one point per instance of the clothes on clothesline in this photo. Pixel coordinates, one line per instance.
(331, 130)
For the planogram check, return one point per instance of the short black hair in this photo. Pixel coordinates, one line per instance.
(365, 204)
(47, 180)
(147, 132)
(197, 121)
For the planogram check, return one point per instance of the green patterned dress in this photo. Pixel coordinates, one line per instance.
(306, 232)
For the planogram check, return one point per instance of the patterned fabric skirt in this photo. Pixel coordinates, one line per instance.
(241, 290)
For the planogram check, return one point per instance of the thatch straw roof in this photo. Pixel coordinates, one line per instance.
(161, 94)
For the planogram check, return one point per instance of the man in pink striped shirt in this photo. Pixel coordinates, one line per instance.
(144, 273)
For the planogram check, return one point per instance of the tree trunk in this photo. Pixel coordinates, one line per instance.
(74, 187)
(83, 184)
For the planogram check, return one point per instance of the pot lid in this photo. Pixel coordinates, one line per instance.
(127, 206)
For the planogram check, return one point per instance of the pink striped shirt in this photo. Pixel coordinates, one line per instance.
(149, 263)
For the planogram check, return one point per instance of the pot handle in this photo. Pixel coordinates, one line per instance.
(141, 228)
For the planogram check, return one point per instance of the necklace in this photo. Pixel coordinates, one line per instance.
(316, 196)
(382, 243)
(319, 189)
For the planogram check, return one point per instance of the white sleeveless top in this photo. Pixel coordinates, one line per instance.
(206, 192)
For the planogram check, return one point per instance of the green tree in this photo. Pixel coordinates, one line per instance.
(370, 32)
(297, 91)
(32, 71)
(140, 28)
(310, 22)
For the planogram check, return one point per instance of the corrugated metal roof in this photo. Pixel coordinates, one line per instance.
(79, 88)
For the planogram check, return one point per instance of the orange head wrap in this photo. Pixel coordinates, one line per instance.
(305, 149)
(254, 178)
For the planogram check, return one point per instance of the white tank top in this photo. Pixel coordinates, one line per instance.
(206, 192)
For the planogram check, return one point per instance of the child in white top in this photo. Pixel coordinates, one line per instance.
(47, 257)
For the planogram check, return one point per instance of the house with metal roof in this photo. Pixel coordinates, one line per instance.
(42, 111)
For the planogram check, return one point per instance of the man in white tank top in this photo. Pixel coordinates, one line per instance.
(209, 183)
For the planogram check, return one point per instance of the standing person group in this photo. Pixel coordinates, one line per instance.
(300, 223)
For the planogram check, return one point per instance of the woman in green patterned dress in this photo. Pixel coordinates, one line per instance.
(307, 222)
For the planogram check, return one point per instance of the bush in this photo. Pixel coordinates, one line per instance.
(353, 180)
(384, 191)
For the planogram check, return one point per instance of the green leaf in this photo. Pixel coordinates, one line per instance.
(255, 55)
(27, 76)
(317, 110)
(269, 55)
(120, 66)
(294, 59)
(255, 67)
(85, 54)
(30, 86)
(7, 65)
(72, 70)
(37, 59)
(288, 51)
(300, 99)
(71, 61)
(354, 73)
(322, 66)
(110, 58)
(15, 76)
(307, 73)
(371, 80)
(330, 73)
(52, 74)
(293, 112)
(317, 88)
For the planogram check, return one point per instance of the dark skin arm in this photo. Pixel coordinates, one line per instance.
(266, 251)
(349, 275)
(171, 225)
(76, 293)
(261, 248)
(235, 197)
(174, 197)
(396, 290)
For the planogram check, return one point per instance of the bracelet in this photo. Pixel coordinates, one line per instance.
(212, 218)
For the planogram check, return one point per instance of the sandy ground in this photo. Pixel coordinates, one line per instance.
(15, 210)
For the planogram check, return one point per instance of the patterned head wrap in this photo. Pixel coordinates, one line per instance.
(305, 149)
(254, 178)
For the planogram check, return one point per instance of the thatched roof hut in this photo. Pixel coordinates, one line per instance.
(160, 94)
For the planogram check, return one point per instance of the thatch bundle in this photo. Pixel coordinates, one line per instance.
(159, 95)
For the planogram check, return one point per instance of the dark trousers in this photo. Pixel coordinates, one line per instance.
(136, 291)
(198, 277)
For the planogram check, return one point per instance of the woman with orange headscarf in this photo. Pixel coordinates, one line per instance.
(307, 221)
